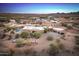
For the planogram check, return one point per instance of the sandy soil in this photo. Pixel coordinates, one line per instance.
(43, 44)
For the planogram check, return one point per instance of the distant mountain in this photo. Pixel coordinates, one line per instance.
(20, 15)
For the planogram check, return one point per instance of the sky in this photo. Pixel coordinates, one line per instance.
(42, 8)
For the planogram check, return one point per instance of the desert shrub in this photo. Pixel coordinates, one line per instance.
(63, 24)
(36, 35)
(28, 43)
(61, 46)
(77, 40)
(66, 25)
(17, 20)
(53, 50)
(49, 38)
(69, 27)
(57, 40)
(45, 30)
(24, 34)
(76, 25)
(8, 28)
(20, 42)
(76, 47)
(55, 47)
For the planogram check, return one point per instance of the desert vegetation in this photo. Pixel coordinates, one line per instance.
(77, 43)
(36, 34)
(55, 48)
(49, 38)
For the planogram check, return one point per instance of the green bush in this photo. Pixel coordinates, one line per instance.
(28, 43)
(36, 35)
(20, 42)
(8, 28)
(45, 30)
(24, 34)
(55, 47)
(53, 50)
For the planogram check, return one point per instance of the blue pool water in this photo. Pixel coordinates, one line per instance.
(18, 30)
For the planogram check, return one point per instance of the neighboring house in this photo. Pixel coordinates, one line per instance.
(55, 23)
(30, 27)
(12, 21)
(59, 30)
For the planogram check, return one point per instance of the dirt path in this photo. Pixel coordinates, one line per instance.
(69, 44)
(43, 44)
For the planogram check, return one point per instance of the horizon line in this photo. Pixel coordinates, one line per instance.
(37, 13)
